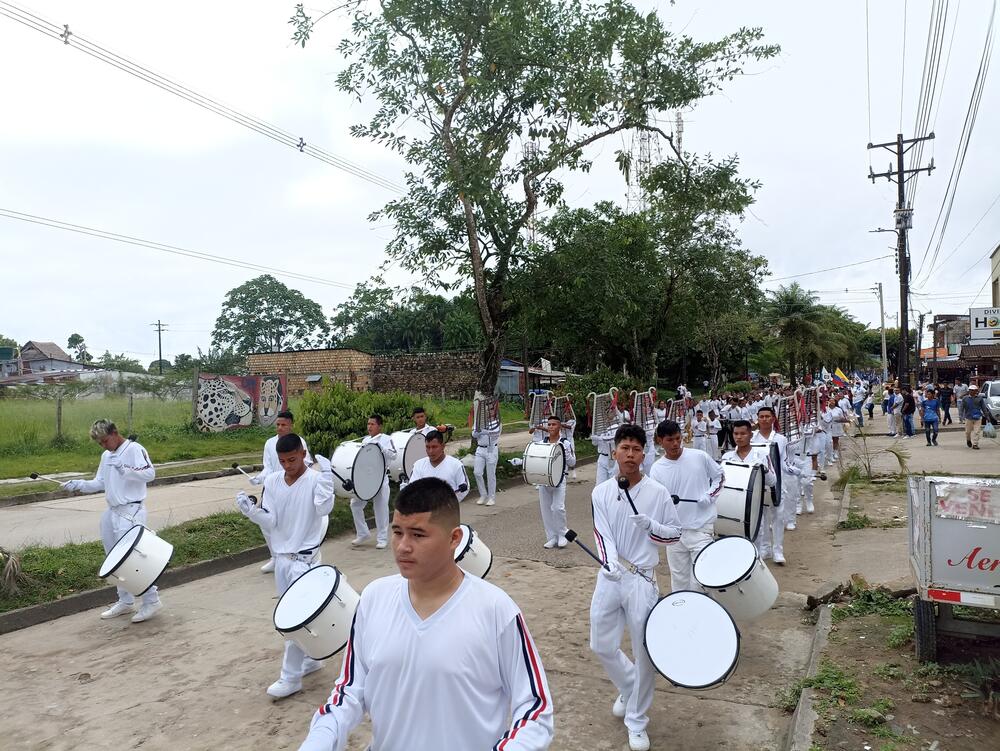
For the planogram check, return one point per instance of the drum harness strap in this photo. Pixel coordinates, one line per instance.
(125, 516)
(303, 556)
(646, 574)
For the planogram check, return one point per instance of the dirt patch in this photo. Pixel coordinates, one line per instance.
(882, 505)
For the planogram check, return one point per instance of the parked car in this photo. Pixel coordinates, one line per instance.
(990, 392)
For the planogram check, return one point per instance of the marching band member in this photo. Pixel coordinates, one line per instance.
(296, 518)
(746, 453)
(700, 429)
(122, 475)
(439, 659)
(283, 425)
(438, 464)
(807, 476)
(568, 431)
(605, 443)
(771, 540)
(837, 421)
(487, 456)
(552, 501)
(661, 411)
(689, 474)
(420, 425)
(624, 595)
(380, 502)
(714, 428)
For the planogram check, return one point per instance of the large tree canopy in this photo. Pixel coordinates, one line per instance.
(490, 101)
(263, 315)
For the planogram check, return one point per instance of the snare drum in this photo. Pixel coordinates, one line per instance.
(137, 560)
(410, 446)
(472, 555)
(692, 640)
(544, 464)
(363, 465)
(734, 576)
(740, 502)
(317, 612)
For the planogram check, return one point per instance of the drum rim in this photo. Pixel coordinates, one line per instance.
(384, 470)
(468, 545)
(754, 472)
(524, 462)
(413, 435)
(311, 618)
(736, 658)
(127, 552)
(753, 565)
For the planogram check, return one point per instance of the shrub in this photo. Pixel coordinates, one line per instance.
(737, 387)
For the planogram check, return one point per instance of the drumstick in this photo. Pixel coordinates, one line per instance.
(677, 499)
(237, 466)
(623, 484)
(36, 476)
(572, 537)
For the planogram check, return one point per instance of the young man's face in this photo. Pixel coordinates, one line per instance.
(293, 462)
(282, 426)
(423, 549)
(435, 451)
(420, 419)
(554, 428)
(111, 441)
(766, 421)
(672, 445)
(373, 427)
(741, 436)
(629, 454)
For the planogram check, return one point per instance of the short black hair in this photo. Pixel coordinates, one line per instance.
(430, 495)
(630, 431)
(286, 414)
(667, 428)
(434, 435)
(376, 417)
(288, 443)
(742, 424)
(699, 412)
(765, 408)
(417, 411)
(554, 417)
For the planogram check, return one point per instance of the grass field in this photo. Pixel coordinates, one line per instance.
(29, 442)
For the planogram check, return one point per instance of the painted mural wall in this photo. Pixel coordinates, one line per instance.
(225, 402)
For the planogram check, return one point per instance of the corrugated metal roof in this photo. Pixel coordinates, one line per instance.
(980, 351)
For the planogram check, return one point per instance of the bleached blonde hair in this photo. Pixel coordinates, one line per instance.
(102, 429)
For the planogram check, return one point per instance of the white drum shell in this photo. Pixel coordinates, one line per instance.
(328, 629)
(137, 560)
(472, 554)
(409, 449)
(741, 499)
(359, 464)
(735, 577)
(544, 464)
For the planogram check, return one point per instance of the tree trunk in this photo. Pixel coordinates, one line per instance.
(489, 371)
(791, 369)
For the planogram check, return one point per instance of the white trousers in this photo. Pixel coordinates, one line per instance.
(614, 606)
(115, 523)
(286, 570)
(649, 455)
(713, 447)
(701, 443)
(485, 470)
(552, 502)
(681, 555)
(789, 496)
(380, 503)
(772, 531)
(605, 468)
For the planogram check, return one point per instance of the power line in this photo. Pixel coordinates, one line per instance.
(930, 274)
(126, 65)
(902, 71)
(868, 77)
(164, 248)
(936, 29)
(832, 268)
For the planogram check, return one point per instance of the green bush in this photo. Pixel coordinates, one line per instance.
(599, 382)
(737, 387)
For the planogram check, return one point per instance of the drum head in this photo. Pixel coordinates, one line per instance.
(776, 464)
(735, 474)
(416, 449)
(306, 597)
(557, 469)
(117, 555)
(692, 640)
(755, 500)
(725, 562)
(466, 542)
(368, 472)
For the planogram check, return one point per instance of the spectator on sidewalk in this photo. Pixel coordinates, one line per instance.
(931, 417)
(961, 391)
(870, 406)
(973, 407)
(909, 406)
(891, 411)
(945, 393)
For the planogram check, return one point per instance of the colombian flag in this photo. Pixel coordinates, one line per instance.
(839, 379)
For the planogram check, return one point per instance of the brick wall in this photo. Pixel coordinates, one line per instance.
(455, 372)
(347, 366)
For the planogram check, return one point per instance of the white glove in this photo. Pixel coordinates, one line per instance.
(243, 503)
(72, 485)
(323, 463)
(258, 480)
(612, 571)
(116, 464)
(642, 521)
(663, 531)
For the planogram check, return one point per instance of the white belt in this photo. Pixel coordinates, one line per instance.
(125, 516)
(302, 556)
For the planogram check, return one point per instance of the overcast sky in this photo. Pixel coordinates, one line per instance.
(83, 142)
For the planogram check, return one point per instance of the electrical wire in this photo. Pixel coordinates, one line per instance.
(868, 78)
(936, 30)
(164, 248)
(902, 69)
(285, 138)
(942, 262)
(833, 268)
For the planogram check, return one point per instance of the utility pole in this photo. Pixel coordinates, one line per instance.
(160, 328)
(934, 328)
(920, 340)
(881, 313)
(904, 221)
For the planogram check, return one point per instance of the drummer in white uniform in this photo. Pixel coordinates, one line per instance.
(568, 432)
(714, 427)
(700, 429)
(485, 467)
(296, 516)
(552, 500)
(122, 475)
(283, 425)
(438, 464)
(628, 544)
(745, 453)
(772, 535)
(420, 425)
(380, 502)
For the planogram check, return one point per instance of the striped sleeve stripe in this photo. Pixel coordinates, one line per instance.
(600, 545)
(534, 679)
(657, 538)
(337, 698)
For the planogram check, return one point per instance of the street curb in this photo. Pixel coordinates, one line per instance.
(32, 615)
(845, 506)
(54, 495)
(804, 718)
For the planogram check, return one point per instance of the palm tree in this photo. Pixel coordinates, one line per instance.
(793, 317)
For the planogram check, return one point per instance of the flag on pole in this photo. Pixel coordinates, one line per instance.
(839, 379)
(825, 375)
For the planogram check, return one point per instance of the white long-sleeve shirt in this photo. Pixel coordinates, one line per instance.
(295, 516)
(449, 469)
(127, 486)
(488, 438)
(696, 476)
(756, 455)
(787, 464)
(469, 677)
(270, 461)
(617, 535)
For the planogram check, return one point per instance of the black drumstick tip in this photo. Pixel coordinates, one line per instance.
(570, 535)
(235, 465)
(623, 482)
(33, 475)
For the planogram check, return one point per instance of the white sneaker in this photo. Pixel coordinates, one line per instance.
(764, 554)
(381, 545)
(119, 608)
(360, 540)
(638, 741)
(310, 665)
(282, 688)
(810, 509)
(790, 526)
(798, 509)
(779, 557)
(562, 542)
(574, 475)
(480, 501)
(491, 501)
(146, 611)
(618, 708)
(549, 544)
(268, 567)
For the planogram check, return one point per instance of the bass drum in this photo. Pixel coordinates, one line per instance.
(137, 560)
(741, 500)
(363, 465)
(410, 447)
(544, 464)
(735, 577)
(317, 612)
(472, 555)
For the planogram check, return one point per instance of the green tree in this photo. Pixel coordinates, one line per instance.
(184, 362)
(220, 361)
(6, 341)
(472, 81)
(79, 346)
(154, 367)
(120, 362)
(263, 315)
(793, 317)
